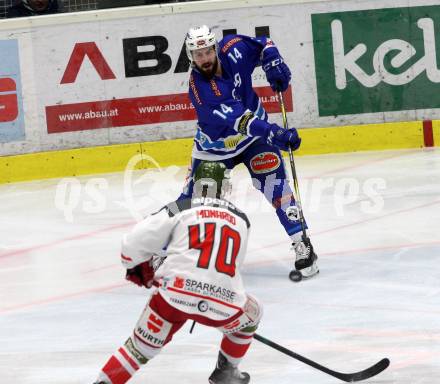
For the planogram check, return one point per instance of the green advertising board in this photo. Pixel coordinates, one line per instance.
(377, 60)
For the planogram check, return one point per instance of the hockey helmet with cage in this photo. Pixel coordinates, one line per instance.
(212, 179)
(197, 38)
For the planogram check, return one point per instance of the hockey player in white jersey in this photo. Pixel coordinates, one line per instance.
(205, 239)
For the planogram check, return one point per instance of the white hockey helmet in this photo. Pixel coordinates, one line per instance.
(197, 38)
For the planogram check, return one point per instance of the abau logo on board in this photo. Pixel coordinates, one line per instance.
(377, 60)
(11, 103)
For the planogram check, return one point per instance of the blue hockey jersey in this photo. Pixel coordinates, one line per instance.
(230, 114)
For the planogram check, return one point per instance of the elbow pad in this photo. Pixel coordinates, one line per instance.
(249, 125)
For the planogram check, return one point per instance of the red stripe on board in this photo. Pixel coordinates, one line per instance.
(139, 111)
(128, 358)
(428, 134)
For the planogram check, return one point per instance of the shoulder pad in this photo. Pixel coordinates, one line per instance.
(177, 207)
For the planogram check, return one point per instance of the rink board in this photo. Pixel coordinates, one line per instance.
(82, 94)
(114, 158)
(436, 131)
(84, 79)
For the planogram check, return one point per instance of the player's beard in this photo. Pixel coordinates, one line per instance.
(209, 71)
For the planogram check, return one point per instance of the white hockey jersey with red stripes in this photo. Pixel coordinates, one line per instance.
(205, 241)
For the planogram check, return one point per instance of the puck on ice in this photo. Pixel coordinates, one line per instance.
(295, 276)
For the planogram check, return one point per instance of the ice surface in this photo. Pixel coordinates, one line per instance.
(374, 219)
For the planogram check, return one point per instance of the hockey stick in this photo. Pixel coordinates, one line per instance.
(294, 275)
(347, 377)
(292, 166)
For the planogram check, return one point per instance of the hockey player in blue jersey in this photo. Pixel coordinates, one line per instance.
(233, 126)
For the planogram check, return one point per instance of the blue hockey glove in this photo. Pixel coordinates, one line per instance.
(283, 138)
(277, 72)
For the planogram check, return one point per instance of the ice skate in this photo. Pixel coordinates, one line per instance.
(226, 373)
(305, 264)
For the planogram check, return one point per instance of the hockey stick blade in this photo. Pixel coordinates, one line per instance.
(347, 377)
